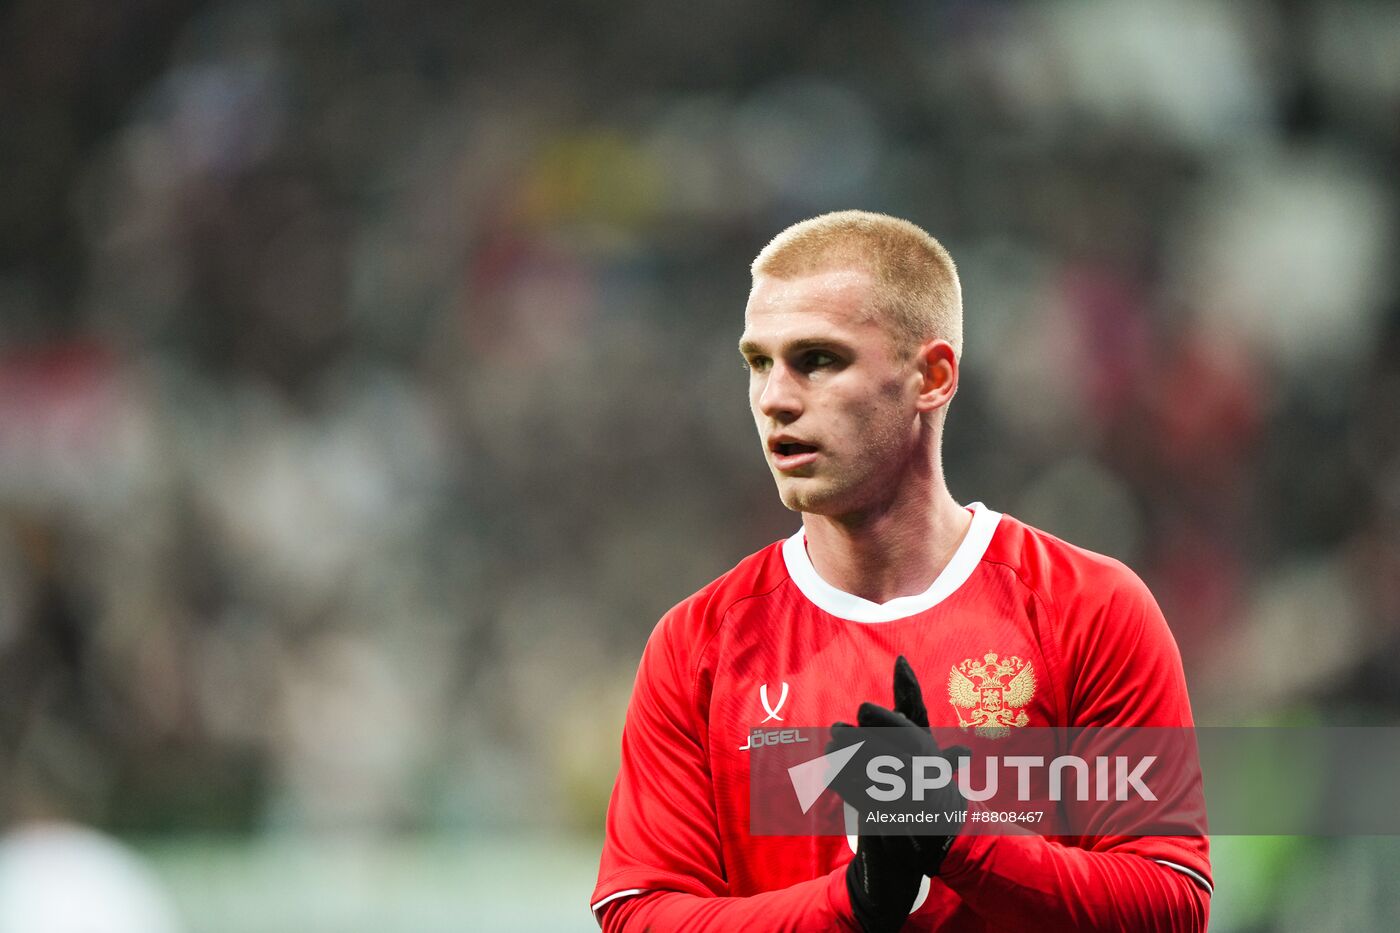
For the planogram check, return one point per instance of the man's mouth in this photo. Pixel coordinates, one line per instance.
(789, 455)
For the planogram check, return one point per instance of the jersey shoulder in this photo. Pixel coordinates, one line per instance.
(1061, 573)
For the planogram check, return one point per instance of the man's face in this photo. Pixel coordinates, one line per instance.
(834, 403)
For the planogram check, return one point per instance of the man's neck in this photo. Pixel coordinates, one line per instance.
(898, 551)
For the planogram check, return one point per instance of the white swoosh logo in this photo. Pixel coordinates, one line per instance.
(770, 710)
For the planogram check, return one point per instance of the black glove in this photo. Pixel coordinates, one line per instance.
(881, 879)
(882, 883)
(904, 734)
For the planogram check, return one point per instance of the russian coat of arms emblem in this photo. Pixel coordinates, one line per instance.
(994, 690)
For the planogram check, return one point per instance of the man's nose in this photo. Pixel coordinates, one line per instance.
(780, 398)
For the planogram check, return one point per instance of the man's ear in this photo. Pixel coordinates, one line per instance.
(938, 371)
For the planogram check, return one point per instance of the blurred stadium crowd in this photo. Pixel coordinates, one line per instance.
(368, 385)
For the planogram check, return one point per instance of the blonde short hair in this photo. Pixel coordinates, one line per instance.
(917, 279)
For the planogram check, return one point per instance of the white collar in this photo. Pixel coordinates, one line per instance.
(857, 609)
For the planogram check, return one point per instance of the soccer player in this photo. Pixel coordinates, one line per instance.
(852, 337)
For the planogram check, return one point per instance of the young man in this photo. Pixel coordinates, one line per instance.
(853, 333)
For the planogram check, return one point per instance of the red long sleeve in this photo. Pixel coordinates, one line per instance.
(1002, 879)
(1006, 879)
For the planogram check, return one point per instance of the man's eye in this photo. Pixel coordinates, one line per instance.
(818, 359)
(757, 363)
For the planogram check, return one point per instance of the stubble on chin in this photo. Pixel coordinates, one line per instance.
(817, 496)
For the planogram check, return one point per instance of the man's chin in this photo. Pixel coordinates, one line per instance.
(801, 494)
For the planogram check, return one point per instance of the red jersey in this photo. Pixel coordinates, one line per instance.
(771, 642)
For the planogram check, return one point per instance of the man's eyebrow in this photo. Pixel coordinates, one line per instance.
(748, 347)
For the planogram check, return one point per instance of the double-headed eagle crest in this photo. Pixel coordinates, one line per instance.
(994, 690)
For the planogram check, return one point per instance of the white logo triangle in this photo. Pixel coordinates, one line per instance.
(810, 778)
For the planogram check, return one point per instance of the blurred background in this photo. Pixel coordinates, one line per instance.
(368, 389)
